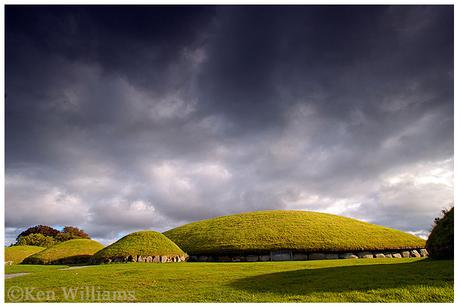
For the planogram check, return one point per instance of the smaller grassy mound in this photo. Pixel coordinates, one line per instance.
(440, 243)
(68, 252)
(142, 243)
(17, 254)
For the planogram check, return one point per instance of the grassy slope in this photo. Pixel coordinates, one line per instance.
(361, 280)
(78, 247)
(266, 230)
(19, 253)
(143, 243)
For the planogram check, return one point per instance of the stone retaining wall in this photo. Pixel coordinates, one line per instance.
(302, 256)
(145, 259)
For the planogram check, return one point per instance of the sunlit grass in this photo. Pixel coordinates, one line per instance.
(19, 253)
(65, 250)
(296, 230)
(360, 280)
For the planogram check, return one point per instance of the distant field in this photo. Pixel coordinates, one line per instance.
(359, 280)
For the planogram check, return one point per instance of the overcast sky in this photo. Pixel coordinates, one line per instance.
(127, 118)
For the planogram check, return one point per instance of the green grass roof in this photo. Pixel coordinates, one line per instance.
(66, 250)
(19, 253)
(293, 230)
(142, 243)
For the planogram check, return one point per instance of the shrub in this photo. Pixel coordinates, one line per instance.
(35, 239)
(440, 243)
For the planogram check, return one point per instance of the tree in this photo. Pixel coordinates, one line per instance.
(40, 229)
(440, 243)
(35, 239)
(70, 233)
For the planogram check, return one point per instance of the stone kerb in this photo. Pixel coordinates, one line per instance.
(143, 259)
(286, 255)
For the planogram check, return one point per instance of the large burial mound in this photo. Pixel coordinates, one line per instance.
(68, 252)
(142, 246)
(16, 254)
(290, 235)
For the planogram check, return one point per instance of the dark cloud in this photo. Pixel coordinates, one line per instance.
(121, 118)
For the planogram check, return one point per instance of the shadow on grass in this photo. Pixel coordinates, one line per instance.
(351, 278)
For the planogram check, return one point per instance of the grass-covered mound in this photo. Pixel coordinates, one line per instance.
(440, 243)
(17, 254)
(142, 243)
(291, 230)
(68, 252)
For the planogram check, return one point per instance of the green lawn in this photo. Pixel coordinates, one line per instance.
(26, 268)
(359, 280)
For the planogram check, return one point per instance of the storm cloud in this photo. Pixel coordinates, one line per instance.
(121, 118)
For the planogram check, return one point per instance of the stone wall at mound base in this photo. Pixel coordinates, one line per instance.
(302, 256)
(146, 259)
